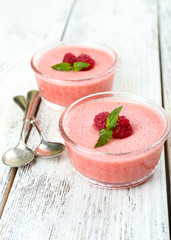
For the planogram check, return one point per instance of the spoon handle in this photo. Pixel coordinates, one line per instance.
(21, 102)
(32, 102)
(31, 105)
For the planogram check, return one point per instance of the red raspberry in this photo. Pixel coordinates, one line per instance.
(123, 128)
(69, 58)
(86, 58)
(100, 120)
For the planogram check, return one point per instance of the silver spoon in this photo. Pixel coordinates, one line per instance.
(21, 154)
(45, 148)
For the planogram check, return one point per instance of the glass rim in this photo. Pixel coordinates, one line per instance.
(92, 151)
(88, 43)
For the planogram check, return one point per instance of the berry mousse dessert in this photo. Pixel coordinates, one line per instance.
(114, 139)
(68, 71)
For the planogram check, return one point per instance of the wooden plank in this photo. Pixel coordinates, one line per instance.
(48, 200)
(165, 44)
(20, 37)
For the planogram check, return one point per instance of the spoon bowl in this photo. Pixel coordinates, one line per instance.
(45, 148)
(19, 156)
(48, 149)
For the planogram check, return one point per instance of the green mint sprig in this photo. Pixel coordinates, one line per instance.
(104, 137)
(113, 118)
(111, 122)
(62, 67)
(77, 66)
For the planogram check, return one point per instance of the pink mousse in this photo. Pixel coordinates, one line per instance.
(63, 88)
(103, 62)
(148, 127)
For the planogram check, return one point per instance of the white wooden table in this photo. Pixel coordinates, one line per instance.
(47, 199)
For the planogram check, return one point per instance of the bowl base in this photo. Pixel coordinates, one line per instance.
(53, 105)
(116, 185)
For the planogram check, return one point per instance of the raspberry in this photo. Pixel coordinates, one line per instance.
(86, 58)
(69, 58)
(123, 128)
(100, 120)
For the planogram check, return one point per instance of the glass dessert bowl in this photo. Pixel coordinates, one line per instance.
(61, 88)
(119, 163)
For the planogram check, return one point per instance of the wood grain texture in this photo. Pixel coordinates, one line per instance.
(48, 200)
(20, 38)
(165, 44)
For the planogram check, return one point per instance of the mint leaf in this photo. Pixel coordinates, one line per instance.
(111, 122)
(77, 66)
(113, 118)
(62, 66)
(104, 137)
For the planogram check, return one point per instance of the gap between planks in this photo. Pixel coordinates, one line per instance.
(68, 18)
(14, 170)
(8, 189)
(166, 145)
